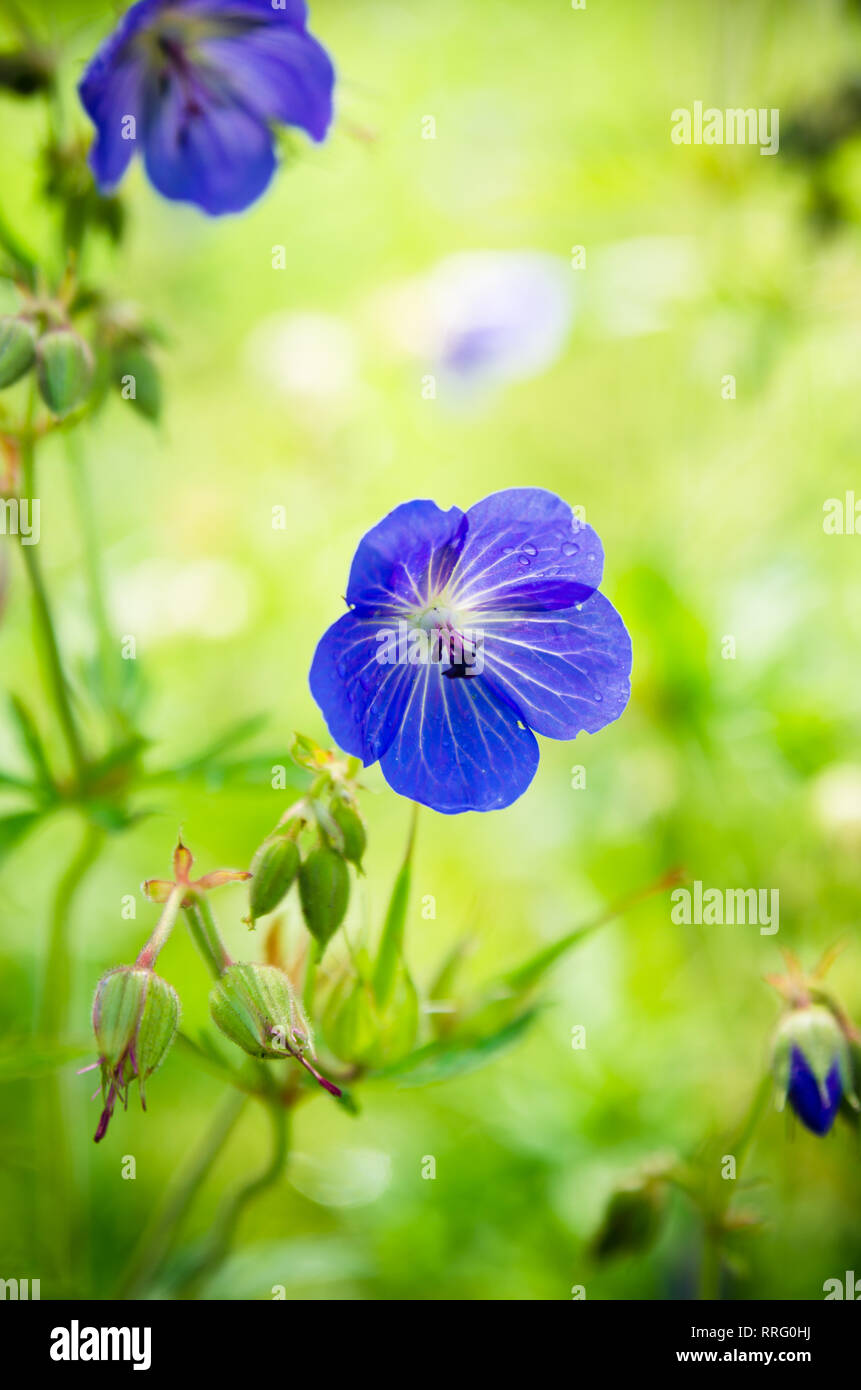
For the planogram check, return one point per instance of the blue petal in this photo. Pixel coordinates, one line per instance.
(816, 1106)
(278, 73)
(362, 699)
(566, 672)
(211, 152)
(525, 551)
(111, 89)
(459, 746)
(406, 558)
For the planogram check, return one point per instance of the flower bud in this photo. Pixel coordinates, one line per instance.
(352, 828)
(135, 1018)
(254, 1005)
(631, 1221)
(17, 349)
(64, 366)
(274, 867)
(324, 891)
(811, 1064)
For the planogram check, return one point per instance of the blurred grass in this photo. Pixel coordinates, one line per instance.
(553, 130)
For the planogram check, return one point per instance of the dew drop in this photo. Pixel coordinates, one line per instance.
(529, 549)
(525, 561)
(508, 550)
(569, 548)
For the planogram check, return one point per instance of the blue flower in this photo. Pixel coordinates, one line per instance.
(468, 633)
(815, 1103)
(197, 86)
(812, 1063)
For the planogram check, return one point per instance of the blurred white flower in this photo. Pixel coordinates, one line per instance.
(483, 318)
(836, 794)
(307, 355)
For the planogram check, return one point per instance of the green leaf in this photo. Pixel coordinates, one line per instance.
(236, 733)
(440, 1061)
(32, 742)
(391, 943)
(14, 828)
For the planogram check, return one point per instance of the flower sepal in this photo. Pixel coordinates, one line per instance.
(135, 1020)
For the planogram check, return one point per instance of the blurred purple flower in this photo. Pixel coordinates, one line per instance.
(197, 86)
(484, 318)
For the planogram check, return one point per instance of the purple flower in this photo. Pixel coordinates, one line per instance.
(468, 633)
(197, 86)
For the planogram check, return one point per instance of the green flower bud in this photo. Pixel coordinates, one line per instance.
(274, 867)
(357, 1030)
(254, 1005)
(139, 381)
(64, 367)
(324, 891)
(352, 828)
(17, 349)
(135, 1018)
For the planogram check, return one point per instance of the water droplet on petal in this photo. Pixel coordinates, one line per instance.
(508, 550)
(569, 548)
(529, 549)
(524, 560)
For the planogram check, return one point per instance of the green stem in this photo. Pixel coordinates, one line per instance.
(158, 1241)
(45, 623)
(163, 928)
(739, 1147)
(59, 1237)
(232, 1208)
(54, 1004)
(201, 924)
(89, 531)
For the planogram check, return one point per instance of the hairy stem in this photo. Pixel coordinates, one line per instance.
(207, 939)
(163, 928)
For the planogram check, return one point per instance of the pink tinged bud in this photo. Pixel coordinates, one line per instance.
(135, 1019)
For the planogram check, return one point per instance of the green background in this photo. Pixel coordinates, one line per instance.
(553, 130)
